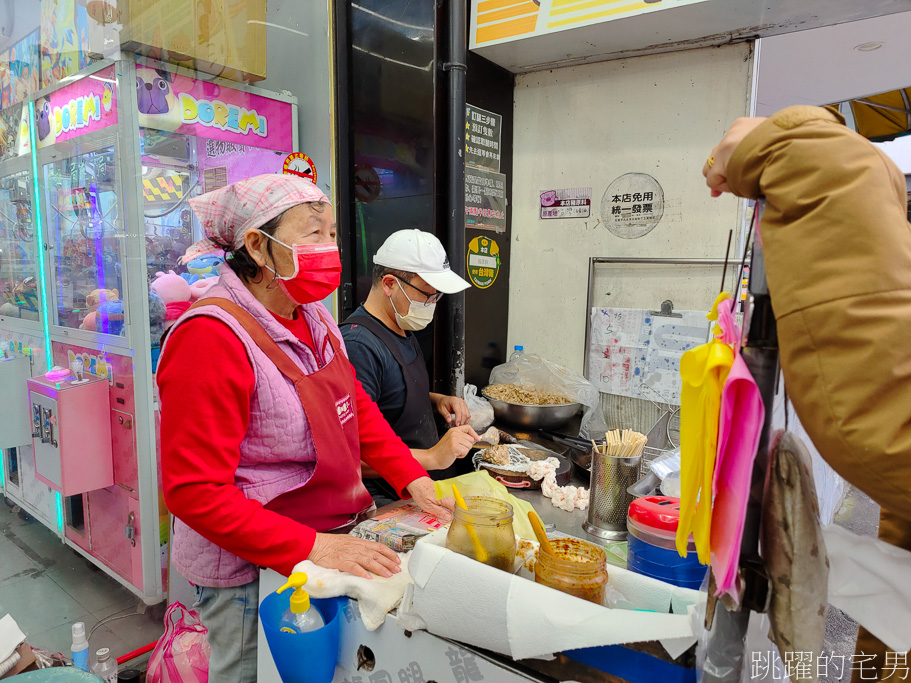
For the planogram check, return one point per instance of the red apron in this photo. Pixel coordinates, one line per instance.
(335, 495)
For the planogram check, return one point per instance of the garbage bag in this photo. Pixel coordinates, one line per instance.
(481, 410)
(182, 653)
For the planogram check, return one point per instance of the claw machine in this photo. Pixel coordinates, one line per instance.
(22, 341)
(97, 261)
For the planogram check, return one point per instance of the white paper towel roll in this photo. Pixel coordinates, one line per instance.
(461, 599)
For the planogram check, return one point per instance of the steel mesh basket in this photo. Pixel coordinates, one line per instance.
(610, 500)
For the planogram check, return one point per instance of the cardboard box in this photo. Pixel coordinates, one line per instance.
(225, 38)
(26, 662)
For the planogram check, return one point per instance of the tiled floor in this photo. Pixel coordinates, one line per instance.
(46, 587)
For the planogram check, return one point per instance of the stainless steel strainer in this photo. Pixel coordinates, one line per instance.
(610, 500)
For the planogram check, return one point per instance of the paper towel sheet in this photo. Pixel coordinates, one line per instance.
(11, 636)
(461, 599)
(375, 597)
(868, 581)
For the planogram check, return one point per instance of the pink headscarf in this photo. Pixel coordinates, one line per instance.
(228, 213)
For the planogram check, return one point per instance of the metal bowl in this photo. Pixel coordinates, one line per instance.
(532, 417)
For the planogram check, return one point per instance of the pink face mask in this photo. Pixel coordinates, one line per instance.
(317, 271)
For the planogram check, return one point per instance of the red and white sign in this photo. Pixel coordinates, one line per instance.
(300, 164)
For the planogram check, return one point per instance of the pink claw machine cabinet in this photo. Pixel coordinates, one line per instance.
(118, 150)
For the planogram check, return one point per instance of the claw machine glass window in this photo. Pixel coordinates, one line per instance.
(75, 128)
(197, 136)
(19, 292)
(84, 220)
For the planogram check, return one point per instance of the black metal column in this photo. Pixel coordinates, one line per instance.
(449, 343)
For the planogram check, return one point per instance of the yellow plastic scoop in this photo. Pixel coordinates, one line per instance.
(540, 533)
(479, 551)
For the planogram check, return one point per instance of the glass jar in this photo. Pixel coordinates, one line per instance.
(577, 568)
(490, 521)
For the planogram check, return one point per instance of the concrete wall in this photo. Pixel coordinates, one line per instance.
(586, 126)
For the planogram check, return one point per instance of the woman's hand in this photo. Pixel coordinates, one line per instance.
(354, 555)
(424, 494)
(716, 175)
(454, 409)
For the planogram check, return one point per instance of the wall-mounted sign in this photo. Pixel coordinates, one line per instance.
(485, 200)
(632, 205)
(502, 21)
(180, 104)
(573, 202)
(483, 262)
(482, 138)
(83, 106)
(301, 165)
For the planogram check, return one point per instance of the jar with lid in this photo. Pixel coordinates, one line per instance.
(486, 523)
(576, 567)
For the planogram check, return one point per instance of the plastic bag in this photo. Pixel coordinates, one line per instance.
(481, 411)
(532, 370)
(182, 653)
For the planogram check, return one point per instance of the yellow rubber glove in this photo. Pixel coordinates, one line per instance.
(703, 371)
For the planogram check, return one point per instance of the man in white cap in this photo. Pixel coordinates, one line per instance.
(410, 274)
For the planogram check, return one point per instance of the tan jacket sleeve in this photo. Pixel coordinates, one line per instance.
(837, 248)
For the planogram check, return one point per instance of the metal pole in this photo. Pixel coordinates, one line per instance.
(451, 335)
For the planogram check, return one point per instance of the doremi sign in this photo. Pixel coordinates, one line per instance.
(483, 262)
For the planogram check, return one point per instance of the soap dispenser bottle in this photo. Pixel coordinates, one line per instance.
(301, 616)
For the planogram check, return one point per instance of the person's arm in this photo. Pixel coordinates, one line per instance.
(835, 205)
(455, 444)
(205, 385)
(837, 251)
(386, 453)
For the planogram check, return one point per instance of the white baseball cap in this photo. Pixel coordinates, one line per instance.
(421, 253)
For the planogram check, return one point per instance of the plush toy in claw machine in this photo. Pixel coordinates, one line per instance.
(158, 105)
(93, 301)
(176, 294)
(203, 267)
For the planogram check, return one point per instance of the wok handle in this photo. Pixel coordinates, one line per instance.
(523, 485)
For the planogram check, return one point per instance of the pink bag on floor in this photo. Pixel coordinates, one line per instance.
(182, 653)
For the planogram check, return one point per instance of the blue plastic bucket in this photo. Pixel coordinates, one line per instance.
(303, 657)
(652, 551)
(664, 564)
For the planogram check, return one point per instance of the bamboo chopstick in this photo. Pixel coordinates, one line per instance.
(621, 443)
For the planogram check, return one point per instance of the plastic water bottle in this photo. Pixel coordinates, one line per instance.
(301, 616)
(105, 667)
(516, 352)
(79, 650)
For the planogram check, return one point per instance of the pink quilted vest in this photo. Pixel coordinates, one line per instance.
(277, 454)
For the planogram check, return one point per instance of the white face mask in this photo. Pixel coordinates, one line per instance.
(418, 316)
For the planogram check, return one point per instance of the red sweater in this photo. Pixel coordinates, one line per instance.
(204, 416)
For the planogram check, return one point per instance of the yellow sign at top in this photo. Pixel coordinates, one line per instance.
(502, 21)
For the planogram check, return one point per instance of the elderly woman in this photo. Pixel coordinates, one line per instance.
(263, 424)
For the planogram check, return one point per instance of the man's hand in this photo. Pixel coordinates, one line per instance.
(716, 176)
(355, 555)
(424, 494)
(455, 444)
(454, 409)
